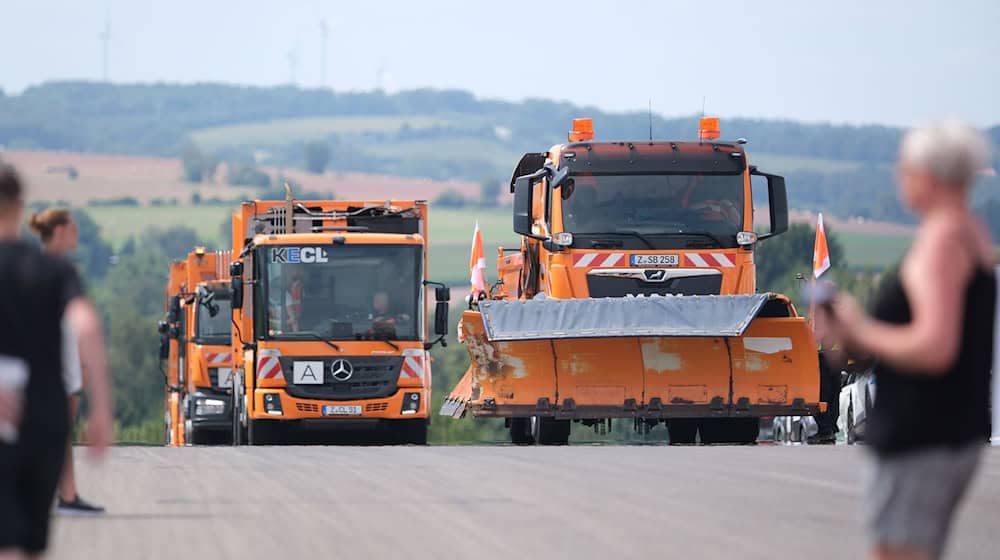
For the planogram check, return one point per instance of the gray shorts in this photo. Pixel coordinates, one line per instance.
(910, 499)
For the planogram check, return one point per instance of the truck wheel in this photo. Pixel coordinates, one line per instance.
(410, 432)
(682, 431)
(549, 431)
(740, 431)
(520, 431)
(264, 432)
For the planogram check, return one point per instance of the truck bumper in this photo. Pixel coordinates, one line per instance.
(210, 417)
(372, 411)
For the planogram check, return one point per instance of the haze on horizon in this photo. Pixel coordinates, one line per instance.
(892, 62)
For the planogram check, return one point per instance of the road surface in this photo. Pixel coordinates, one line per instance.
(505, 502)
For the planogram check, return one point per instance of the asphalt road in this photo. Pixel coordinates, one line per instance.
(506, 502)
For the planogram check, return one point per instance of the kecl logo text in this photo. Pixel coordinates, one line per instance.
(295, 255)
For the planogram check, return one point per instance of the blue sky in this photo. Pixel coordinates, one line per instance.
(891, 61)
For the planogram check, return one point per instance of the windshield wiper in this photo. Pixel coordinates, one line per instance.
(320, 338)
(708, 234)
(636, 235)
(389, 342)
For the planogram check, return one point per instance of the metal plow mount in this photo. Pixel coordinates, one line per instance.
(655, 315)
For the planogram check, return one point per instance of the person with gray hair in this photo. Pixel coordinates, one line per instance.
(931, 330)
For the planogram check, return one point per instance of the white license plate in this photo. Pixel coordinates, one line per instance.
(225, 378)
(341, 410)
(654, 260)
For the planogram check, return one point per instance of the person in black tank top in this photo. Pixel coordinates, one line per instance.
(931, 332)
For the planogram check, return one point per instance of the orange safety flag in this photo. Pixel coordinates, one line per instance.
(477, 264)
(821, 254)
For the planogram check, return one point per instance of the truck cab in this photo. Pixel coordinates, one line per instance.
(195, 347)
(332, 320)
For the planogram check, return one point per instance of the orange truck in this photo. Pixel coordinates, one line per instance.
(634, 296)
(330, 310)
(195, 350)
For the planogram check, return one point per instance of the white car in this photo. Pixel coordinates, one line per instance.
(793, 429)
(856, 398)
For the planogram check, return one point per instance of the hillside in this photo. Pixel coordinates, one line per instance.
(437, 134)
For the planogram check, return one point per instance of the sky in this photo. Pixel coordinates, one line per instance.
(891, 62)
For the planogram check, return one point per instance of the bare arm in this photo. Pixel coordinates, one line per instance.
(93, 357)
(934, 278)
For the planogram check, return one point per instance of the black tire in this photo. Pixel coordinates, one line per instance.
(683, 431)
(731, 431)
(520, 431)
(265, 432)
(549, 431)
(410, 432)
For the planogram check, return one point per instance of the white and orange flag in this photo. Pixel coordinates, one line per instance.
(821, 254)
(477, 264)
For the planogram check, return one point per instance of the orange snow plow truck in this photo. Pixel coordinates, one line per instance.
(195, 350)
(331, 316)
(634, 296)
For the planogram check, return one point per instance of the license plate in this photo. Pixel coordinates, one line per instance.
(341, 410)
(654, 260)
(225, 378)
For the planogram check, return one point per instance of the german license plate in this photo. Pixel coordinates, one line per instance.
(341, 410)
(225, 378)
(654, 260)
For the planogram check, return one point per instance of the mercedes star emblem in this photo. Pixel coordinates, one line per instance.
(342, 370)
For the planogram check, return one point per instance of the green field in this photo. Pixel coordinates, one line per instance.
(872, 251)
(450, 235)
(277, 132)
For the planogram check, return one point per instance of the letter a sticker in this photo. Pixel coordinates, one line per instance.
(307, 373)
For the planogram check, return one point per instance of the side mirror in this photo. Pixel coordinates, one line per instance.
(164, 347)
(442, 293)
(441, 318)
(777, 202)
(174, 310)
(236, 301)
(522, 206)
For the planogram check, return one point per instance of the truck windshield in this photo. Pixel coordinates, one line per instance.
(342, 292)
(710, 205)
(215, 330)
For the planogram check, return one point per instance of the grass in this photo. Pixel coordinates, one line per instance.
(864, 250)
(118, 223)
(277, 132)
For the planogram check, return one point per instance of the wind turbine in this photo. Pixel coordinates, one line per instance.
(105, 38)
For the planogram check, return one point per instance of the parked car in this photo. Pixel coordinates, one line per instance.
(856, 398)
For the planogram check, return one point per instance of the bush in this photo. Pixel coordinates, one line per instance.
(198, 166)
(450, 199)
(489, 191)
(120, 201)
(317, 156)
(248, 175)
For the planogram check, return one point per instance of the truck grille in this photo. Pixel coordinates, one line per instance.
(612, 286)
(374, 377)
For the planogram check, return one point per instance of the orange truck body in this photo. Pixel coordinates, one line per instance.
(195, 347)
(314, 349)
(564, 361)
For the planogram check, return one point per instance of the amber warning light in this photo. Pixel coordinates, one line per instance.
(708, 128)
(583, 130)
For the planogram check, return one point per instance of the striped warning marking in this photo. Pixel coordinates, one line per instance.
(413, 368)
(602, 260)
(218, 357)
(269, 366)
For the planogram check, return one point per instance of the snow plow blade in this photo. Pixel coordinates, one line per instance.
(643, 357)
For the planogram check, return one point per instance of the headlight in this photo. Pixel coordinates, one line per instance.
(272, 403)
(209, 407)
(411, 403)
